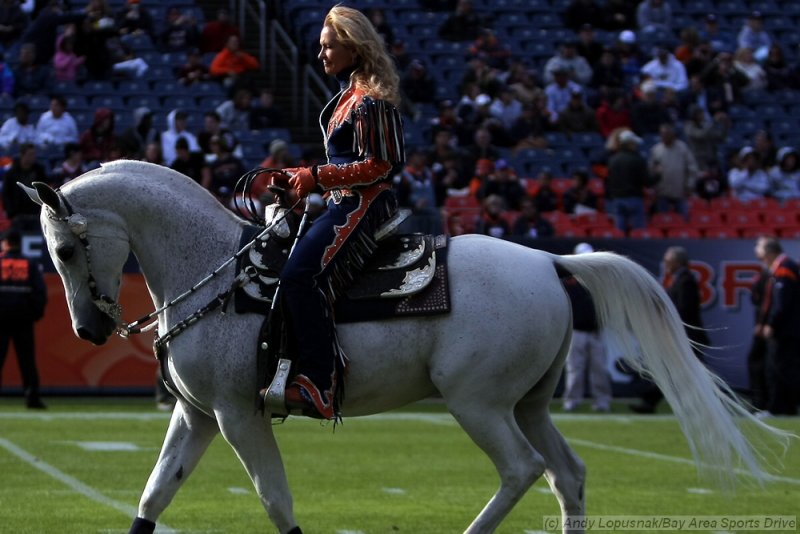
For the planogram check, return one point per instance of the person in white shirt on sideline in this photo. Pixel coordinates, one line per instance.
(666, 71)
(748, 181)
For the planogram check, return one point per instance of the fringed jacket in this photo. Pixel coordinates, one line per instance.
(364, 148)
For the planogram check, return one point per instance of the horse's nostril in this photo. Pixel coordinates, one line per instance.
(83, 333)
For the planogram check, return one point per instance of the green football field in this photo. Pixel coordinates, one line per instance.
(80, 466)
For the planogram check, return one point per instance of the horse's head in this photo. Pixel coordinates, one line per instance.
(89, 250)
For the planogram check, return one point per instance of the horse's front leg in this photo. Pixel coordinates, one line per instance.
(189, 434)
(252, 438)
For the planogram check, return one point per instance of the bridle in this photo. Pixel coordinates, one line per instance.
(78, 225)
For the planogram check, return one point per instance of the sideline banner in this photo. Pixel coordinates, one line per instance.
(725, 269)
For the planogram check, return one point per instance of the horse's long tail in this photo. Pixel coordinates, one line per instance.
(722, 434)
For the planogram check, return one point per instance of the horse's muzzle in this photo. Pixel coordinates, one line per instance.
(98, 330)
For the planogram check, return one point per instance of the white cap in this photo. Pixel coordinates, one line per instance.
(627, 36)
(583, 248)
(628, 136)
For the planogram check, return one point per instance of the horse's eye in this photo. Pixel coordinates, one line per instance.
(65, 253)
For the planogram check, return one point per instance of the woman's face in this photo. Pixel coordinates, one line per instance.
(335, 57)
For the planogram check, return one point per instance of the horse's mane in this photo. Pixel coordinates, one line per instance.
(132, 179)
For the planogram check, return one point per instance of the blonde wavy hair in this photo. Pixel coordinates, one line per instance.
(375, 73)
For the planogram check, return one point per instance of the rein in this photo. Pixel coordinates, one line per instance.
(78, 225)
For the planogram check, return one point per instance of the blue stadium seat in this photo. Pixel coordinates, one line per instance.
(152, 101)
(134, 87)
(76, 102)
(209, 103)
(112, 101)
(173, 101)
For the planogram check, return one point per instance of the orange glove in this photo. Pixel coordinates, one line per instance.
(302, 181)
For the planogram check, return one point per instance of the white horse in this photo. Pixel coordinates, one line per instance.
(495, 359)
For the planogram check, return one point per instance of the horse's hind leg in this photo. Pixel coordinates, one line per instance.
(564, 471)
(254, 442)
(517, 462)
(189, 434)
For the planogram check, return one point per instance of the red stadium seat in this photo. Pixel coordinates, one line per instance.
(667, 220)
(571, 231)
(646, 233)
(789, 232)
(743, 219)
(705, 219)
(762, 204)
(724, 204)
(608, 232)
(752, 232)
(720, 232)
(684, 233)
(594, 220)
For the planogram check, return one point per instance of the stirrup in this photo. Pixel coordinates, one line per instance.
(275, 395)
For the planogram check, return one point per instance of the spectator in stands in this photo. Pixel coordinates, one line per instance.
(620, 14)
(587, 46)
(189, 163)
(689, 42)
(134, 139)
(279, 156)
(463, 24)
(30, 78)
(6, 79)
(56, 126)
(450, 178)
(66, 63)
(133, 19)
(724, 82)
(525, 85)
(580, 198)
(177, 120)
(626, 182)
(442, 152)
(482, 147)
(153, 154)
(666, 71)
(13, 22)
(577, 116)
(217, 32)
(607, 74)
(128, 64)
(72, 166)
(673, 167)
(613, 112)
(704, 135)
(720, 40)
(559, 92)
(95, 35)
(225, 171)
(46, 24)
(378, 19)
(479, 72)
(264, 113)
(784, 176)
(417, 84)
(99, 141)
(503, 182)
(449, 118)
(630, 58)
(232, 65)
(530, 222)
(489, 47)
(781, 74)
(781, 316)
(415, 187)
(544, 197)
(647, 114)
(234, 113)
(581, 12)
(654, 16)
(506, 108)
(399, 53)
(194, 70)
(748, 181)
(212, 127)
(23, 213)
(180, 31)
(568, 60)
(756, 76)
(17, 130)
(765, 147)
(492, 220)
(528, 130)
(753, 35)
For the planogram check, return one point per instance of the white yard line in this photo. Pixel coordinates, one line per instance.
(73, 483)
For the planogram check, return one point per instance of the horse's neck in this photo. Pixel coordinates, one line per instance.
(178, 232)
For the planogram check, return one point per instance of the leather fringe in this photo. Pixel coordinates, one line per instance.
(378, 129)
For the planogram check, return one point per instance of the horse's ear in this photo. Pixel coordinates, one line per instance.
(42, 194)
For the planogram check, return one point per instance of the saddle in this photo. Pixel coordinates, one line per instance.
(406, 275)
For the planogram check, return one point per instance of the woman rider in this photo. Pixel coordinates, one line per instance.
(363, 137)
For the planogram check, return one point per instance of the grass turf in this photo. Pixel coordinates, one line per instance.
(67, 470)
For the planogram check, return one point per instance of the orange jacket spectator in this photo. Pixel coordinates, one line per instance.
(232, 60)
